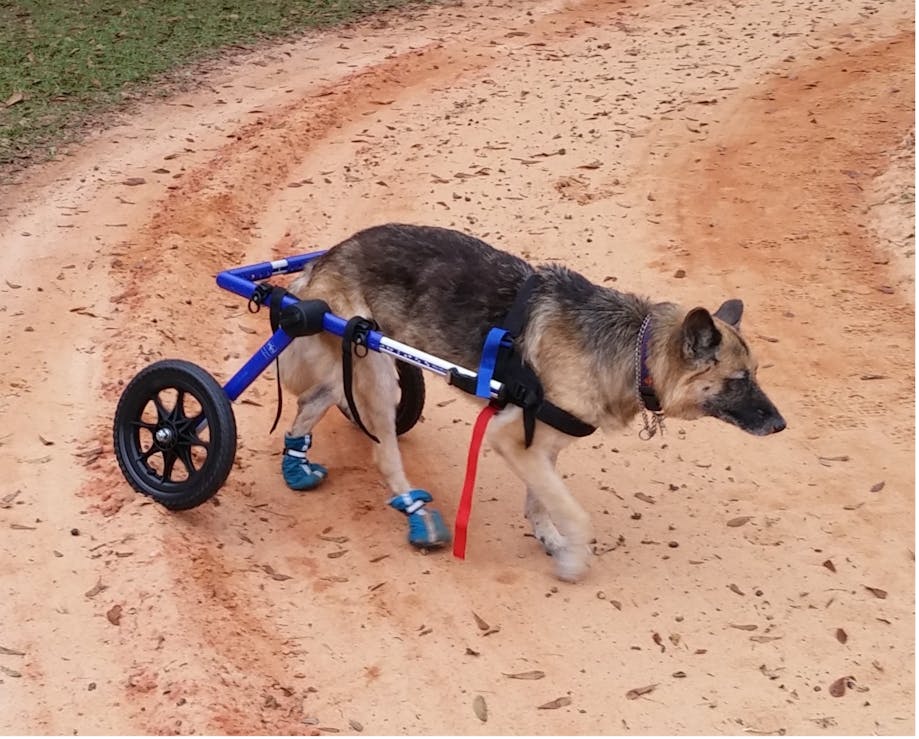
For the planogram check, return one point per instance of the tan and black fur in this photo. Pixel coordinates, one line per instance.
(440, 291)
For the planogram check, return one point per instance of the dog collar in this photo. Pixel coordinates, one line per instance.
(645, 382)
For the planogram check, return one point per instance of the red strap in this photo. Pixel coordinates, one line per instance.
(472, 463)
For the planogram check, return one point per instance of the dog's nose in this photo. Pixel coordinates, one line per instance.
(778, 424)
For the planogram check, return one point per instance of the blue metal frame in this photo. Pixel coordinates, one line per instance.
(244, 281)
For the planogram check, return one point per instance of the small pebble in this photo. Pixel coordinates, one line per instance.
(673, 544)
(601, 595)
(74, 532)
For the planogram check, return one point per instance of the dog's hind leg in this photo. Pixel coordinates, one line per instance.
(558, 520)
(309, 369)
(376, 394)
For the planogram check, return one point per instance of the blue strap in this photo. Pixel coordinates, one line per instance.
(493, 342)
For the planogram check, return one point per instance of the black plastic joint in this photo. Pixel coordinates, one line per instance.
(303, 318)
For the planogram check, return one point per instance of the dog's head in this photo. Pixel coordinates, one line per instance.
(717, 373)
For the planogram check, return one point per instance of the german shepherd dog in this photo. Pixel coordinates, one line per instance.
(441, 291)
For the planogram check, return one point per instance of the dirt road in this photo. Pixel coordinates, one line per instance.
(692, 151)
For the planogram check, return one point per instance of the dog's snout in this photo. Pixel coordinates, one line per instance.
(778, 424)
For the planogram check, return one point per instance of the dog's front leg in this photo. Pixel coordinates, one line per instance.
(561, 520)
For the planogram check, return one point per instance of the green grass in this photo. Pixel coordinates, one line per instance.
(63, 61)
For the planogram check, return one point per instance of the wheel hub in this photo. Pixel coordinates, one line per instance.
(165, 437)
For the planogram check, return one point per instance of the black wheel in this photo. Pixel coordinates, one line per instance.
(411, 402)
(175, 434)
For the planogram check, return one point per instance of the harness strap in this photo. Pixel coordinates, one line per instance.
(472, 463)
(275, 297)
(354, 336)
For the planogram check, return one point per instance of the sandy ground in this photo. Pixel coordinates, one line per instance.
(761, 149)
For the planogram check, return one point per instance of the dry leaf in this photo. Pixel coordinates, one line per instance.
(481, 710)
(657, 640)
(134, 181)
(739, 521)
(764, 639)
(531, 675)
(838, 687)
(829, 565)
(744, 627)
(638, 692)
(734, 589)
(645, 498)
(877, 487)
(46, 442)
(557, 703)
(334, 539)
(114, 615)
(336, 555)
(16, 97)
(876, 592)
(471, 652)
(678, 673)
(842, 636)
(10, 672)
(356, 725)
(95, 590)
(12, 652)
(480, 622)
(268, 569)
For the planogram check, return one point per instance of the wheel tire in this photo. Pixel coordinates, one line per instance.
(411, 400)
(173, 435)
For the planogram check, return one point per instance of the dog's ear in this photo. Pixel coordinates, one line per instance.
(700, 336)
(730, 312)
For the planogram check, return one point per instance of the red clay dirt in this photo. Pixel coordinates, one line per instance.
(692, 151)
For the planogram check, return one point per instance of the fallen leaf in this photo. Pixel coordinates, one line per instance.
(471, 652)
(744, 627)
(336, 555)
(877, 487)
(531, 675)
(735, 589)
(46, 442)
(114, 615)
(16, 97)
(480, 622)
(268, 569)
(638, 692)
(12, 285)
(481, 710)
(334, 539)
(838, 687)
(657, 640)
(842, 636)
(839, 458)
(678, 673)
(739, 521)
(356, 725)
(829, 565)
(133, 181)
(21, 527)
(764, 639)
(876, 592)
(10, 672)
(557, 703)
(95, 590)
(12, 652)
(595, 164)
(645, 498)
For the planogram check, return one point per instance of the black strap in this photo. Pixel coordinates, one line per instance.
(522, 385)
(354, 337)
(275, 297)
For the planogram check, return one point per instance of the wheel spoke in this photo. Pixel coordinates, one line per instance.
(178, 411)
(151, 427)
(147, 454)
(185, 455)
(161, 412)
(169, 460)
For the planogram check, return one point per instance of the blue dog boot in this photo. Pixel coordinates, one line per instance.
(299, 472)
(426, 527)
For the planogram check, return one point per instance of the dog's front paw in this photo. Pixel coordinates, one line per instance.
(570, 563)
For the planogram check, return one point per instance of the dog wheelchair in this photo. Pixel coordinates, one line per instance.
(174, 427)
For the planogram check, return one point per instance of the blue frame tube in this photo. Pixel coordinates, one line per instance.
(243, 281)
